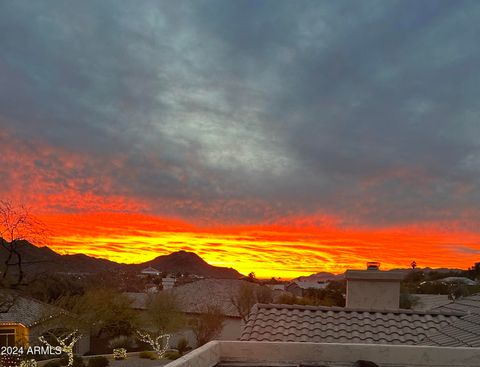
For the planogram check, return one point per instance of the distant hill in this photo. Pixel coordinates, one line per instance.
(320, 277)
(44, 260)
(183, 261)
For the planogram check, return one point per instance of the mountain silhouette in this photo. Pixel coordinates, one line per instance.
(37, 260)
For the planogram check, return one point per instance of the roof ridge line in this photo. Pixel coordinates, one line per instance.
(345, 309)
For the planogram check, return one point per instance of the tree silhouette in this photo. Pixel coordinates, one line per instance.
(17, 224)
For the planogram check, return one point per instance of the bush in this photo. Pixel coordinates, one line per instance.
(77, 361)
(52, 364)
(171, 354)
(99, 361)
(407, 301)
(147, 355)
(182, 346)
(121, 341)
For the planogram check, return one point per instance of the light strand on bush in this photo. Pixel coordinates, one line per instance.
(159, 344)
(28, 363)
(66, 344)
(119, 353)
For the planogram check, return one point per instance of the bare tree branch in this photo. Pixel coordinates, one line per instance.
(17, 224)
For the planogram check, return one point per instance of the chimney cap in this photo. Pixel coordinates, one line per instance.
(388, 276)
(373, 265)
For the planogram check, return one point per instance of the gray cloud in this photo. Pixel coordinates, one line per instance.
(366, 110)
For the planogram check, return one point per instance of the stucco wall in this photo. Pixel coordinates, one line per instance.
(272, 352)
(231, 331)
(373, 294)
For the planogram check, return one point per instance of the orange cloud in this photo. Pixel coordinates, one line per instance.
(86, 212)
(267, 250)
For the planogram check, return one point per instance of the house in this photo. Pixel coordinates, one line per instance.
(372, 316)
(294, 289)
(168, 282)
(24, 319)
(150, 271)
(276, 287)
(372, 328)
(151, 288)
(298, 287)
(193, 298)
(458, 280)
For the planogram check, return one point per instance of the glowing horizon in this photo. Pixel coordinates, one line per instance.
(267, 250)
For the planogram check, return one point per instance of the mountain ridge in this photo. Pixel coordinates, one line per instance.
(43, 259)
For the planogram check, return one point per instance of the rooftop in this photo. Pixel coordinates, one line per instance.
(292, 323)
(150, 270)
(192, 297)
(15, 308)
(430, 301)
(466, 330)
(310, 284)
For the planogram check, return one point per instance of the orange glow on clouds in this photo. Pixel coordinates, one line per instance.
(268, 250)
(87, 212)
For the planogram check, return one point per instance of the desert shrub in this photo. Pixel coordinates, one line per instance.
(121, 341)
(147, 355)
(99, 361)
(182, 346)
(171, 354)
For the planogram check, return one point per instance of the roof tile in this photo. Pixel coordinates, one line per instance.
(323, 324)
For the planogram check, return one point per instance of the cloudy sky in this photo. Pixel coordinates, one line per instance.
(296, 136)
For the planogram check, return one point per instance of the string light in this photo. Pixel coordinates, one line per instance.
(28, 363)
(159, 344)
(119, 353)
(9, 361)
(62, 342)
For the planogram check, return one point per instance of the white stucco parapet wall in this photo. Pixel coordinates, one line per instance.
(273, 352)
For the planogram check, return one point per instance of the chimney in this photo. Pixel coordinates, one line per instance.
(373, 289)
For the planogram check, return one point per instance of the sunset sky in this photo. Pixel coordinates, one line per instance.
(280, 137)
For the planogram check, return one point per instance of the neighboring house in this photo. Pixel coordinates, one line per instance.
(372, 316)
(458, 280)
(168, 282)
(24, 319)
(294, 289)
(150, 271)
(151, 288)
(193, 298)
(298, 287)
(372, 328)
(276, 287)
